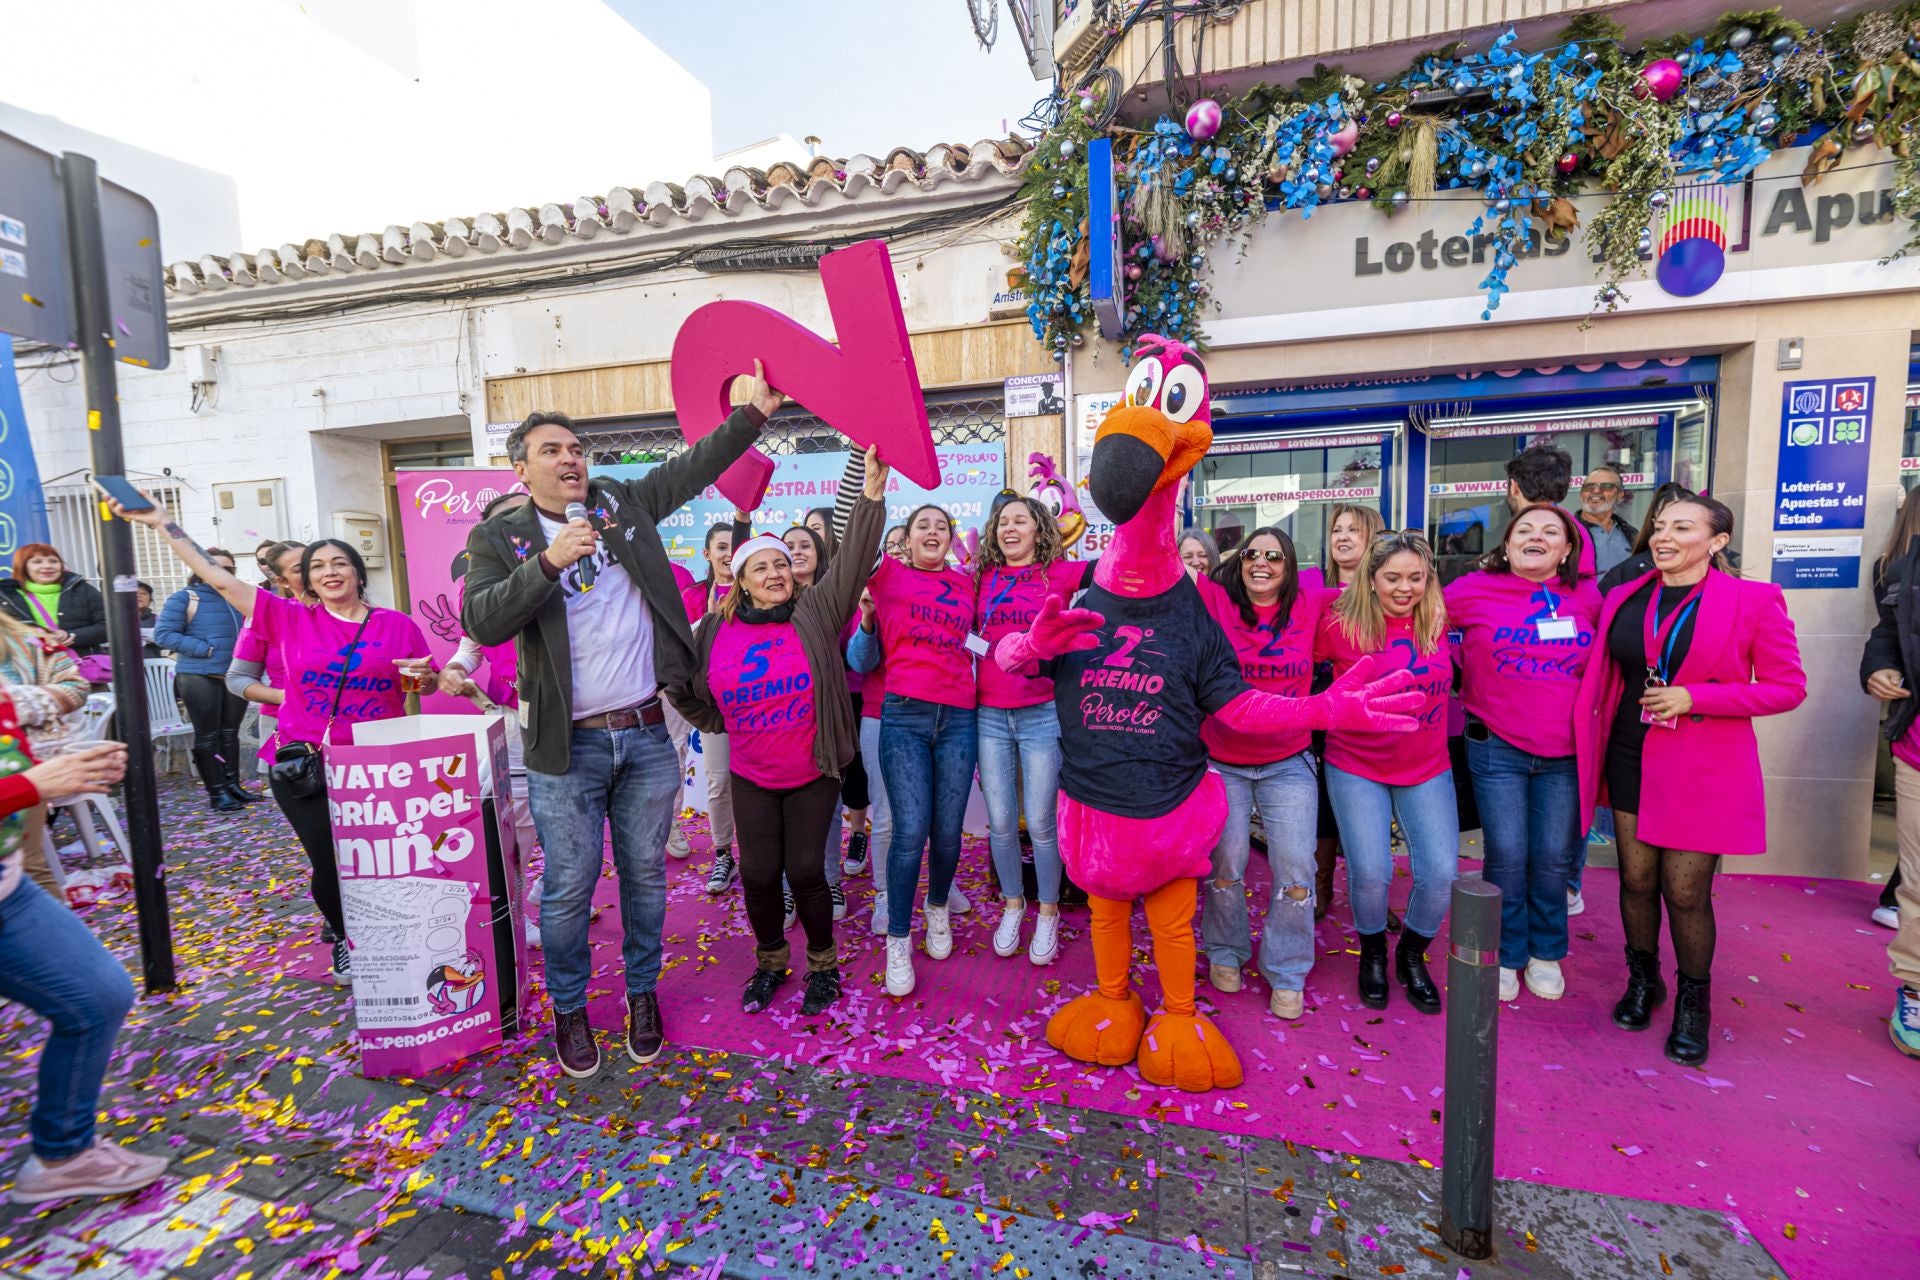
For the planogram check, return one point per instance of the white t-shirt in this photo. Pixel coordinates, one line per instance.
(610, 630)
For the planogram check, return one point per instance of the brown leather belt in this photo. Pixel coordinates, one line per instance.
(648, 712)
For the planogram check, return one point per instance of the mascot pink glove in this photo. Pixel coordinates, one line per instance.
(1056, 630)
(1355, 701)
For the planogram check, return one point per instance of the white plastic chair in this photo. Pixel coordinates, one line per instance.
(164, 720)
(91, 726)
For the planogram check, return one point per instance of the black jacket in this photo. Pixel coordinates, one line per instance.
(1895, 639)
(510, 597)
(82, 614)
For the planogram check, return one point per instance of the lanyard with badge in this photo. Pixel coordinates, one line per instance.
(1659, 639)
(1553, 626)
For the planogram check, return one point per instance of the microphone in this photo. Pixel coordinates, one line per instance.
(578, 511)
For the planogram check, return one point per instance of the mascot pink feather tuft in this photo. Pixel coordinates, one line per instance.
(1136, 673)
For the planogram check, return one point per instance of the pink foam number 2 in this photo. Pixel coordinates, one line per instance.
(866, 388)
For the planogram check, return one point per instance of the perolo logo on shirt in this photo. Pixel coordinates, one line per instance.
(1118, 672)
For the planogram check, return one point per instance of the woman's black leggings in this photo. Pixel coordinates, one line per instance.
(853, 779)
(214, 710)
(314, 825)
(785, 832)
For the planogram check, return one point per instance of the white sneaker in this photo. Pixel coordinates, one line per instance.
(677, 846)
(104, 1169)
(1509, 984)
(1887, 917)
(957, 902)
(1575, 903)
(1545, 980)
(879, 927)
(1045, 947)
(533, 936)
(899, 967)
(939, 933)
(1006, 938)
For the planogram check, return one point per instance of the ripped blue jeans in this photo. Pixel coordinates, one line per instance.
(1287, 793)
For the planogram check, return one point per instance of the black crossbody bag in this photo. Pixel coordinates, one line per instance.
(300, 767)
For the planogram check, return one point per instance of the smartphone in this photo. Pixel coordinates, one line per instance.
(121, 490)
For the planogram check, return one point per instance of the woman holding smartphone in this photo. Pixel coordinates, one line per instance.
(346, 662)
(1693, 655)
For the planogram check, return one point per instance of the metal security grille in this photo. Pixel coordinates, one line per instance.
(73, 520)
(956, 420)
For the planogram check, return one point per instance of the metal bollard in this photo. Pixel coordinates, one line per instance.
(1473, 1042)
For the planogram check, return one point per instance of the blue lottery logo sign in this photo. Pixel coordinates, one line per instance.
(1826, 431)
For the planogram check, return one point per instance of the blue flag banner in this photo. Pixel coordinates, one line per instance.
(23, 511)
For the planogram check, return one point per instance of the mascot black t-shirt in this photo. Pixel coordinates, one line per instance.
(1131, 707)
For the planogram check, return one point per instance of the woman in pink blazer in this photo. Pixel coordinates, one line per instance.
(1664, 732)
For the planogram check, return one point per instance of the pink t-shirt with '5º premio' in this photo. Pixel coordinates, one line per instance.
(320, 651)
(760, 680)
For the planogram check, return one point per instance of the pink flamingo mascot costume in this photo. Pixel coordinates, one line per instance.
(1136, 672)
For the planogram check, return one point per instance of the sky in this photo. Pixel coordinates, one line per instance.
(862, 75)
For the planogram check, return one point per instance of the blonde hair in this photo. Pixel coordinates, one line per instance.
(1363, 621)
(16, 638)
(1372, 525)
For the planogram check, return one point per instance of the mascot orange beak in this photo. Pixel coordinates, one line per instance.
(1138, 452)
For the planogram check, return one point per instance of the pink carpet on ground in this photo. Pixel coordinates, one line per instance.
(1801, 1129)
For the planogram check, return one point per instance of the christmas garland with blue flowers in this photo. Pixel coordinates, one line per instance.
(1523, 131)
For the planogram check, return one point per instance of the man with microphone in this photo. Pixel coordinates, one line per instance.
(579, 579)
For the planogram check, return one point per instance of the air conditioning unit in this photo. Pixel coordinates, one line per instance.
(1077, 30)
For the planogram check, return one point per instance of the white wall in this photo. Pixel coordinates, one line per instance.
(422, 110)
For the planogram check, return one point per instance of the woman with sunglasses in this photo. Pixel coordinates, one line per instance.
(1271, 620)
(1395, 612)
(1527, 622)
(1693, 655)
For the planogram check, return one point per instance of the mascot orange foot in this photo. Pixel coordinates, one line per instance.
(1179, 1046)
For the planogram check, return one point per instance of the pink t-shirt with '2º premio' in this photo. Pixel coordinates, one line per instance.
(1009, 600)
(1392, 759)
(1523, 648)
(319, 651)
(760, 680)
(924, 617)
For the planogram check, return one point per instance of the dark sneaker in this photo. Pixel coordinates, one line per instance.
(342, 963)
(856, 861)
(823, 988)
(723, 871)
(760, 989)
(327, 935)
(574, 1044)
(839, 899)
(645, 1036)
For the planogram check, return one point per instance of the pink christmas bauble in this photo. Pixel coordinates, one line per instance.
(1204, 119)
(1343, 138)
(1133, 271)
(1161, 251)
(1663, 78)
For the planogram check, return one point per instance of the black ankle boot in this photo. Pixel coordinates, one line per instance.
(1645, 991)
(230, 754)
(1373, 970)
(1687, 1042)
(1410, 966)
(213, 776)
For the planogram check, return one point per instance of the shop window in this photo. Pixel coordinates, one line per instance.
(1910, 442)
(1291, 483)
(1467, 510)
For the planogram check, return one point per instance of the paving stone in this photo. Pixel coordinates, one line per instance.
(58, 1257)
(1697, 1244)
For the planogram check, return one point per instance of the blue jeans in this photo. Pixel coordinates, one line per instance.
(878, 810)
(1020, 759)
(1430, 819)
(50, 963)
(1528, 807)
(926, 756)
(1288, 795)
(631, 777)
(1601, 832)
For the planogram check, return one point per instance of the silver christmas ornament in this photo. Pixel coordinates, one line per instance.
(1739, 38)
(1658, 200)
(1782, 45)
(1863, 132)
(1066, 147)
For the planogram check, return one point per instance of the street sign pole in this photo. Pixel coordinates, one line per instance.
(80, 180)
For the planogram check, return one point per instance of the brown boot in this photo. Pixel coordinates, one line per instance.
(1323, 878)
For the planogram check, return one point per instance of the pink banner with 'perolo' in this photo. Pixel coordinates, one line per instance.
(410, 836)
